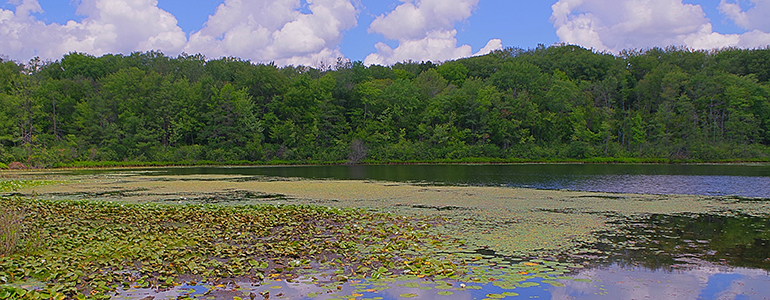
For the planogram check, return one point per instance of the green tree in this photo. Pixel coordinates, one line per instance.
(229, 119)
(454, 72)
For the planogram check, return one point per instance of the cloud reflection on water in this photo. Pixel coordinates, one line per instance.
(706, 281)
(703, 282)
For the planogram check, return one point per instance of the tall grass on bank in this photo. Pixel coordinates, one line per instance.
(10, 229)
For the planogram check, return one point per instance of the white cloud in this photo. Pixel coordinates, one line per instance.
(734, 12)
(265, 30)
(614, 25)
(754, 38)
(416, 21)
(438, 45)
(110, 26)
(260, 30)
(425, 31)
(755, 18)
(493, 44)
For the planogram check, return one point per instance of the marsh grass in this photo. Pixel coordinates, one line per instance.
(12, 215)
(11, 218)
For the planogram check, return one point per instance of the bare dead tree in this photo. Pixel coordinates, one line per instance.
(357, 152)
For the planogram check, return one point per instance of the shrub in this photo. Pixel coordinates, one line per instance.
(3, 166)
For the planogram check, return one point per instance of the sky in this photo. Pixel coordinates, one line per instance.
(315, 32)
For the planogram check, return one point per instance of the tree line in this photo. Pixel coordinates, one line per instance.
(561, 101)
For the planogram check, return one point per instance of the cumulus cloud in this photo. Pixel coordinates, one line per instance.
(755, 18)
(276, 30)
(260, 30)
(612, 25)
(110, 26)
(410, 21)
(425, 31)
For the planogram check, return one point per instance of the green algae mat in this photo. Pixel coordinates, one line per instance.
(131, 236)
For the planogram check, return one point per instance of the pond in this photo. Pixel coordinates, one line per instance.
(713, 180)
(611, 231)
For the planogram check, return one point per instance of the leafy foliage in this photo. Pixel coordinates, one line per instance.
(560, 102)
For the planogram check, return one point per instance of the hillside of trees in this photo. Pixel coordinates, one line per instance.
(544, 103)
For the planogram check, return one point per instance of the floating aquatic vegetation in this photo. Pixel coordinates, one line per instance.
(15, 185)
(421, 238)
(515, 221)
(506, 277)
(93, 248)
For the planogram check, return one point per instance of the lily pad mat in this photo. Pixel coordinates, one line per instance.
(514, 221)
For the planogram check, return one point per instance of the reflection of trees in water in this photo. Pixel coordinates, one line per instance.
(669, 241)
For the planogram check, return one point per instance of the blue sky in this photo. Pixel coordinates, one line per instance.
(374, 31)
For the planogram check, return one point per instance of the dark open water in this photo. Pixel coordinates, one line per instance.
(714, 180)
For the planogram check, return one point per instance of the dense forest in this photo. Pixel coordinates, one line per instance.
(545, 103)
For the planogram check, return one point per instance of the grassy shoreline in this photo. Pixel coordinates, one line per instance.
(205, 163)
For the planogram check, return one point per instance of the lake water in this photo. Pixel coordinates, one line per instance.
(713, 180)
(655, 257)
